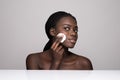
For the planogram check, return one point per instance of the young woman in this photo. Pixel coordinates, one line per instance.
(56, 55)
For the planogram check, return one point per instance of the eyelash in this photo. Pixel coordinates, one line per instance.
(67, 29)
(76, 30)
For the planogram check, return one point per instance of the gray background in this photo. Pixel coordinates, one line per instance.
(22, 30)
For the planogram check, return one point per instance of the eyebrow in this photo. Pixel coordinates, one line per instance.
(71, 25)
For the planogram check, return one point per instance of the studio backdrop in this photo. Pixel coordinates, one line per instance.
(22, 30)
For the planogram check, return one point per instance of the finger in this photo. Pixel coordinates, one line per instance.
(61, 51)
(59, 48)
(53, 45)
(56, 44)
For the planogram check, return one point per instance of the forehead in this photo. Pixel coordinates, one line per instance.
(67, 20)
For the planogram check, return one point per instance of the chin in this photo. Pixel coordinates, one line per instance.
(69, 46)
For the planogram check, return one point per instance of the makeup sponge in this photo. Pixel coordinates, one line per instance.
(63, 37)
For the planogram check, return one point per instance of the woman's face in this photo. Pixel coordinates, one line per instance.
(68, 26)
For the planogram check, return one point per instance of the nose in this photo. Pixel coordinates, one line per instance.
(73, 33)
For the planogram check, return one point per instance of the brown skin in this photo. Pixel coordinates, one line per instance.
(58, 57)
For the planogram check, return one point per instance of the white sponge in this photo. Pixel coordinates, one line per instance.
(63, 37)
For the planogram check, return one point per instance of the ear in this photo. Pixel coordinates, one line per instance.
(52, 32)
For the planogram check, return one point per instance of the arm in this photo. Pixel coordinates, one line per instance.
(57, 51)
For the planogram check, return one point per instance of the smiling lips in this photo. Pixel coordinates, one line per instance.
(72, 40)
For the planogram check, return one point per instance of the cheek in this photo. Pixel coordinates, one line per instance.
(67, 43)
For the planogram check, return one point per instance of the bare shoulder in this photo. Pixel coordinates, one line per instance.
(32, 61)
(84, 62)
(36, 56)
(32, 56)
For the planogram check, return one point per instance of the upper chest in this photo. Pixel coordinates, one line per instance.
(66, 64)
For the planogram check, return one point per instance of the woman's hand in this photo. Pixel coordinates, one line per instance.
(57, 49)
(57, 53)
